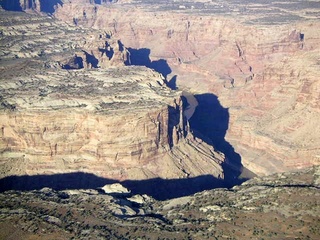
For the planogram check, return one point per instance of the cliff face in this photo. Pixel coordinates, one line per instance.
(263, 65)
(69, 104)
(127, 144)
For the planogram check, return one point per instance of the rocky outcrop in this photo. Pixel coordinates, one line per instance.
(29, 36)
(115, 189)
(263, 65)
(274, 207)
(118, 122)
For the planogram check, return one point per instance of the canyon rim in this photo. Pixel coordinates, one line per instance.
(171, 99)
(252, 67)
(261, 59)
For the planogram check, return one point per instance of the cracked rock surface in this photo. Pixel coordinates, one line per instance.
(280, 206)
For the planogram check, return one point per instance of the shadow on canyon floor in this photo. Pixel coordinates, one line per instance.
(47, 6)
(160, 189)
(141, 57)
(11, 5)
(210, 122)
(172, 83)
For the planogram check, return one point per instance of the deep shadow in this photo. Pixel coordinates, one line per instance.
(163, 189)
(101, 1)
(74, 63)
(160, 189)
(91, 60)
(121, 46)
(172, 83)
(141, 57)
(108, 51)
(173, 120)
(210, 122)
(161, 66)
(48, 6)
(11, 5)
(301, 36)
(77, 180)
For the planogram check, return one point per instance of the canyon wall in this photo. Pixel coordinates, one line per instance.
(263, 66)
(130, 146)
(69, 104)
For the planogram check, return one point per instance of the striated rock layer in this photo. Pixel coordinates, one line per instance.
(260, 59)
(68, 104)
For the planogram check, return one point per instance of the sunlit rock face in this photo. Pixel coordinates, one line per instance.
(69, 104)
(260, 59)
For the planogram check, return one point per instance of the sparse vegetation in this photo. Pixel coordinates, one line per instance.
(35, 76)
(244, 212)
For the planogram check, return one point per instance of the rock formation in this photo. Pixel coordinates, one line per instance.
(273, 207)
(115, 189)
(263, 66)
(103, 148)
(69, 104)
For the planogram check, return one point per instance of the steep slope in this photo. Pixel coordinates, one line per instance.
(69, 104)
(260, 58)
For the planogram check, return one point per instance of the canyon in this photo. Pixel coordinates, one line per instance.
(174, 89)
(63, 110)
(261, 59)
(171, 119)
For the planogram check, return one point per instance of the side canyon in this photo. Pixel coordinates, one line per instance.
(167, 119)
(64, 110)
(261, 59)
